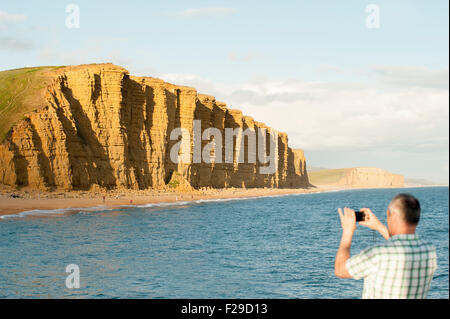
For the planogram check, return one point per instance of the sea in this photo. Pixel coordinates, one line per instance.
(266, 247)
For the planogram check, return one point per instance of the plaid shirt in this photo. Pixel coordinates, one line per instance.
(402, 267)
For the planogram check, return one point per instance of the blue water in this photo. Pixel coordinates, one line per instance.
(273, 247)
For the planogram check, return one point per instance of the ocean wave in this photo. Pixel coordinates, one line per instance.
(162, 204)
(35, 212)
(214, 200)
(101, 208)
(44, 212)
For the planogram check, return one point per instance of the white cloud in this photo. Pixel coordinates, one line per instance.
(8, 42)
(14, 45)
(11, 17)
(205, 12)
(343, 115)
(412, 76)
(391, 123)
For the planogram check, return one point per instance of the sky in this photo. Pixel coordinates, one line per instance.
(353, 83)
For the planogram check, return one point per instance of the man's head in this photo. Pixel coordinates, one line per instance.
(403, 214)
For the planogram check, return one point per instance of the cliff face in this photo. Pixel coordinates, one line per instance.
(356, 177)
(97, 126)
(373, 177)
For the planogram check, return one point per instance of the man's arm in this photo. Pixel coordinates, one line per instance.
(348, 223)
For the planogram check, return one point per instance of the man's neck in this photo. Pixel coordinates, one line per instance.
(403, 231)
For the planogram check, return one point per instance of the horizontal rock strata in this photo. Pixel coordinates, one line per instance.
(356, 177)
(99, 127)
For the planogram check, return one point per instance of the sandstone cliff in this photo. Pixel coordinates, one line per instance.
(95, 126)
(356, 177)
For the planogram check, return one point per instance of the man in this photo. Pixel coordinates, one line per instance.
(401, 267)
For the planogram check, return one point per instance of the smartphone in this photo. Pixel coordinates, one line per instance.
(360, 216)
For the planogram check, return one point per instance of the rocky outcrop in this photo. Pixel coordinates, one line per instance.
(99, 127)
(357, 177)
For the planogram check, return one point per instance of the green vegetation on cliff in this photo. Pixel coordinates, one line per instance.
(20, 92)
(327, 176)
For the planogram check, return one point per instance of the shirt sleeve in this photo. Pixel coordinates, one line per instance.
(362, 264)
(433, 261)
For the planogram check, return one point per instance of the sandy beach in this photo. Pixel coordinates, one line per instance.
(13, 202)
(17, 201)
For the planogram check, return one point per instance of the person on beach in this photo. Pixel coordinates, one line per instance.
(401, 267)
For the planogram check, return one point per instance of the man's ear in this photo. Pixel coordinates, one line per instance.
(392, 214)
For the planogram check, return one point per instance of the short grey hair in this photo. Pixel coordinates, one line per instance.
(408, 206)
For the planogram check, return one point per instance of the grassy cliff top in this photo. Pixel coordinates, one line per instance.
(21, 91)
(327, 176)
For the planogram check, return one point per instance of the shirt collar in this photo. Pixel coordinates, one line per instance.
(404, 237)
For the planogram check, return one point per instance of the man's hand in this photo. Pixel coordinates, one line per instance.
(348, 220)
(348, 223)
(371, 221)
